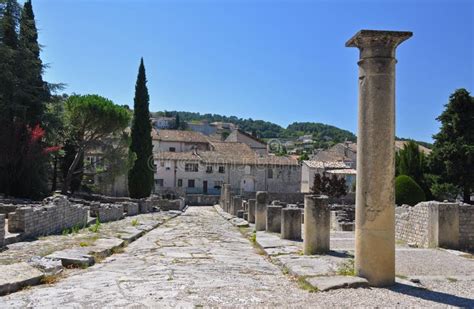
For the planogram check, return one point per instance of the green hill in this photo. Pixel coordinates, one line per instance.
(324, 135)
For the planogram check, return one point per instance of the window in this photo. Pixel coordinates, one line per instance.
(162, 163)
(159, 182)
(172, 149)
(270, 173)
(180, 182)
(191, 167)
(209, 169)
(221, 169)
(247, 170)
(218, 184)
(190, 183)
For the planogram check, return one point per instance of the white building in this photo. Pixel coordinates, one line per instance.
(163, 122)
(340, 169)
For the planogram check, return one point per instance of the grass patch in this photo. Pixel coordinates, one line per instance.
(84, 244)
(402, 277)
(50, 279)
(135, 222)
(303, 284)
(95, 228)
(117, 250)
(346, 268)
(452, 279)
(253, 237)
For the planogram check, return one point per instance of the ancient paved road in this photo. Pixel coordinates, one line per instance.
(199, 259)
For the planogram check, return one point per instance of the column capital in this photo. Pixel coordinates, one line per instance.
(378, 43)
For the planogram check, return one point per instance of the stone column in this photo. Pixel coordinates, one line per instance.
(274, 218)
(317, 224)
(291, 223)
(251, 210)
(375, 198)
(236, 205)
(261, 211)
(227, 197)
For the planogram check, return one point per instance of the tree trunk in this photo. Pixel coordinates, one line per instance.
(70, 171)
(467, 195)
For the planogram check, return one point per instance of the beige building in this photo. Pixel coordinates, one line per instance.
(254, 143)
(198, 164)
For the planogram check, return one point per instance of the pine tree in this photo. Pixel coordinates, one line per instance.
(453, 151)
(140, 176)
(33, 92)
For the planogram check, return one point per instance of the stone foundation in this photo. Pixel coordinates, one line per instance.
(2, 231)
(131, 209)
(56, 215)
(466, 226)
(107, 212)
(434, 224)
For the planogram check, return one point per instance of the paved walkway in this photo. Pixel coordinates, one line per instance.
(199, 259)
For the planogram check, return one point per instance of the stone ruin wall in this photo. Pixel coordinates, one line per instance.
(466, 226)
(107, 212)
(419, 224)
(2, 231)
(412, 223)
(54, 216)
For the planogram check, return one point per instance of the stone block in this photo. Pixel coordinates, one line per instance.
(273, 219)
(251, 211)
(261, 211)
(291, 223)
(131, 208)
(337, 282)
(317, 224)
(236, 205)
(79, 257)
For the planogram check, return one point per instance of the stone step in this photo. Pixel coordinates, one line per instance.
(16, 276)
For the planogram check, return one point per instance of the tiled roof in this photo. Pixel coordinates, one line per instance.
(326, 164)
(179, 136)
(228, 153)
(347, 171)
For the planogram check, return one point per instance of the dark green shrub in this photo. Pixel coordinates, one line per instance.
(407, 191)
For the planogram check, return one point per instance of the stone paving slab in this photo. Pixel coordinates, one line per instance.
(77, 257)
(225, 271)
(16, 276)
(315, 265)
(337, 282)
(238, 222)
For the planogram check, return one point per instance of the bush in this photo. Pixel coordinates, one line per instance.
(407, 191)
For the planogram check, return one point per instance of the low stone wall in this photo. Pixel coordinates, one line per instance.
(54, 216)
(130, 208)
(202, 199)
(2, 231)
(434, 224)
(5, 209)
(177, 204)
(466, 226)
(411, 224)
(342, 217)
(104, 198)
(107, 212)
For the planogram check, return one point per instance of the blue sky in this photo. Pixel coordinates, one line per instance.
(281, 61)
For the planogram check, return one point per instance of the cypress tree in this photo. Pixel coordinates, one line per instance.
(33, 92)
(140, 176)
(9, 11)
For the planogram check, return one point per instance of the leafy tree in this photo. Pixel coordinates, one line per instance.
(304, 156)
(412, 162)
(333, 187)
(90, 118)
(407, 191)
(453, 150)
(140, 176)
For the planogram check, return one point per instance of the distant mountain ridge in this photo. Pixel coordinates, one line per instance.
(323, 134)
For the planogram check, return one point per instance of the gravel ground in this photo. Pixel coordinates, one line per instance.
(199, 259)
